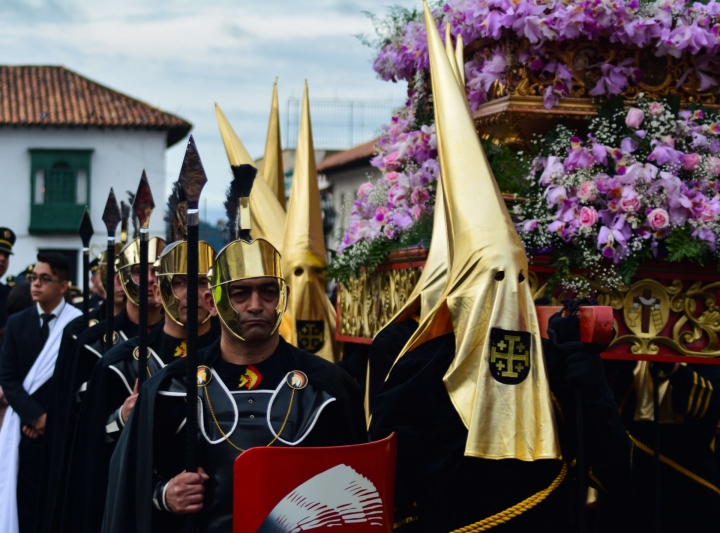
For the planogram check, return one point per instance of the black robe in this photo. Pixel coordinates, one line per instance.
(139, 455)
(691, 443)
(74, 367)
(98, 428)
(439, 489)
(385, 348)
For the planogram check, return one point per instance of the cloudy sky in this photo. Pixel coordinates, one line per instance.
(183, 56)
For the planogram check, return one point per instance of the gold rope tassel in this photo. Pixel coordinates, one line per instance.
(672, 464)
(517, 509)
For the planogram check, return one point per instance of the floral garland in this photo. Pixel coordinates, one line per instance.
(643, 184)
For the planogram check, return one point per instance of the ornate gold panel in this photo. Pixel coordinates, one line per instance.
(367, 303)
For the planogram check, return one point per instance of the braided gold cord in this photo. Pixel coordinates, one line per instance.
(517, 509)
(672, 464)
(231, 443)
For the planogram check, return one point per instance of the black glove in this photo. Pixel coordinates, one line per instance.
(662, 370)
(583, 365)
(584, 371)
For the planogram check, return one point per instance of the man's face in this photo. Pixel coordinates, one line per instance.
(97, 287)
(4, 263)
(46, 287)
(151, 281)
(179, 287)
(255, 301)
(119, 291)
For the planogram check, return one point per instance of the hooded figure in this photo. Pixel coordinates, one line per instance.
(497, 381)
(311, 315)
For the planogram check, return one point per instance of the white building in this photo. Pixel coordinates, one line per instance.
(345, 172)
(64, 142)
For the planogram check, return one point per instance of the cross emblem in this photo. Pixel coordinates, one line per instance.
(512, 361)
(311, 335)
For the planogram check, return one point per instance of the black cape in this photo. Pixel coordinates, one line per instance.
(87, 480)
(129, 500)
(691, 443)
(439, 489)
(62, 416)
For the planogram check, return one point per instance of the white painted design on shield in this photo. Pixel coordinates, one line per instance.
(332, 498)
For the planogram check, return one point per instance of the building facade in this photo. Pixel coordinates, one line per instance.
(64, 142)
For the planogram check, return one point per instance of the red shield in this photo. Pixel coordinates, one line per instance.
(293, 489)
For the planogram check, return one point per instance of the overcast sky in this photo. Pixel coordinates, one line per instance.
(183, 56)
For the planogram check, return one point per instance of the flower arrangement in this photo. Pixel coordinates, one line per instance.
(669, 27)
(396, 210)
(642, 184)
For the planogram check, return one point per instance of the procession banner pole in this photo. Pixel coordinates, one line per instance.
(582, 488)
(143, 208)
(86, 232)
(111, 217)
(656, 457)
(192, 179)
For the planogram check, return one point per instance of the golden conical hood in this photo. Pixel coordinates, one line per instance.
(460, 58)
(497, 380)
(272, 168)
(451, 52)
(311, 315)
(268, 216)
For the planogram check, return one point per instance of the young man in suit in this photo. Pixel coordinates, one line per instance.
(27, 361)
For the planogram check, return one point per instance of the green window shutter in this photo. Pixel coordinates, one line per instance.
(60, 184)
(57, 179)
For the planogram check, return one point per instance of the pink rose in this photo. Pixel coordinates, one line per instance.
(365, 189)
(690, 161)
(707, 214)
(588, 216)
(587, 191)
(629, 201)
(391, 160)
(634, 118)
(658, 219)
(416, 212)
(713, 165)
(391, 177)
(380, 213)
(656, 109)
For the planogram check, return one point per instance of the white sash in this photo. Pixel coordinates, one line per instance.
(41, 371)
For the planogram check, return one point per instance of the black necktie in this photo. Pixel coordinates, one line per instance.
(45, 326)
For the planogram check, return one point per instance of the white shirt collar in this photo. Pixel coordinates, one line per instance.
(56, 311)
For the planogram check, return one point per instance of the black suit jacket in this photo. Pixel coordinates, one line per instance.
(20, 348)
(4, 292)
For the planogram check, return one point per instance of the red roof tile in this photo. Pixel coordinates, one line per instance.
(353, 155)
(56, 96)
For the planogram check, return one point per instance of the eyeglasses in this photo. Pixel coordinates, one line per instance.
(32, 278)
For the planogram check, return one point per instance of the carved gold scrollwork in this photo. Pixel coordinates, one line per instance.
(369, 302)
(647, 308)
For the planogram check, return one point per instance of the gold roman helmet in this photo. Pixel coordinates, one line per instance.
(245, 260)
(128, 258)
(172, 262)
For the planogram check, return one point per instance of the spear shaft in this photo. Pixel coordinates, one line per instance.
(143, 300)
(192, 179)
(143, 207)
(111, 217)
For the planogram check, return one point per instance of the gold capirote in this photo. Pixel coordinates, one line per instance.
(486, 288)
